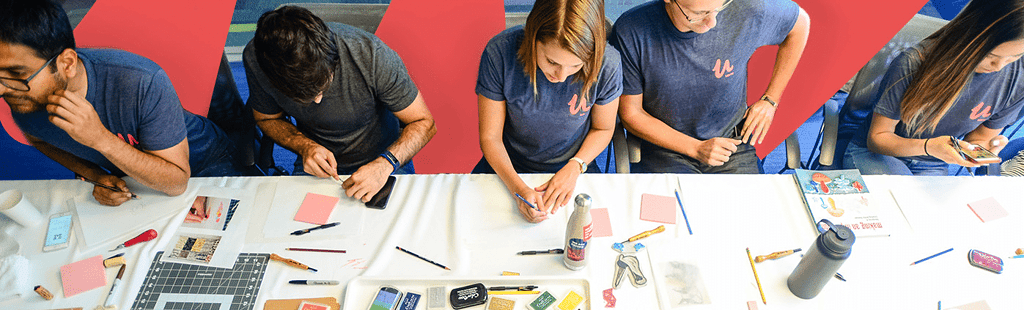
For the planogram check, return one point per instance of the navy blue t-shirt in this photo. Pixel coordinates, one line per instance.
(697, 83)
(542, 131)
(992, 99)
(135, 100)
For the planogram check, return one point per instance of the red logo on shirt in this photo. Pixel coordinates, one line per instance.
(723, 70)
(131, 140)
(579, 108)
(981, 115)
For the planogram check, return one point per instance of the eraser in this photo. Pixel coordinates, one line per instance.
(468, 296)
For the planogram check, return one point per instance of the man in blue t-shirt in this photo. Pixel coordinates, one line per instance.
(101, 113)
(684, 68)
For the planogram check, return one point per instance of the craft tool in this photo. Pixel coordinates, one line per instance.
(114, 261)
(759, 289)
(315, 250)
(1018, 256)
(134, 196)
(314, 282)
(113, 288)
(679, 188)
(840, 277)
(291, 262)
(307, 230)
(421, 257)
(513, 292)
(775, 255)
(509, 288)
(619, 245)
(527, 202)
(930, 257)
(43, 292)
(143, 237)
(551, 251)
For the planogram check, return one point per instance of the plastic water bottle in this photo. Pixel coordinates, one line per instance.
(577, 234)
(828, 252)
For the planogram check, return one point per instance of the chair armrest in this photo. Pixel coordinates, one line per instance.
(829, 133)
(621, 148)
(793, 152)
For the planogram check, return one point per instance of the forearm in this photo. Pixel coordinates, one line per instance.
(413, 138)
(497, 157)
(888, 143)
(655, 131)
(77, 165)
(595, 142)
(150, 170)
(788, 56)
(286, 135)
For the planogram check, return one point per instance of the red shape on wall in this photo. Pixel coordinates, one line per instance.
(441, 43)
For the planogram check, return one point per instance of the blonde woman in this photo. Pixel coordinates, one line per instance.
(547, 97)
(962, 81)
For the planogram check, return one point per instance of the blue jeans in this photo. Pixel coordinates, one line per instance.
(659, 160)
(868, 162)
(221, 163)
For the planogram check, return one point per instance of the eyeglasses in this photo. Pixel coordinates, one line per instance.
(700, 15)
(22, 85)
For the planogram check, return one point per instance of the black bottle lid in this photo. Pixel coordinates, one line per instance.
(838, 239)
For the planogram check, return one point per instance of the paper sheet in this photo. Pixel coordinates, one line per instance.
(657, 208)
(602, 225)
(92, 220)
(211, 240)
(289, 195)
(988, 209)
(316, 208)
(83, 275)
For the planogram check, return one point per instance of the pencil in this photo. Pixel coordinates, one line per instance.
(315, 250)
(930, 257)
(684, 213)
(421, 257)
(527, 202)
(755, 276)
(107, 187)
(512, 292)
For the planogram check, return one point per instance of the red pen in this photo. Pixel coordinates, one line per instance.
(143, 237)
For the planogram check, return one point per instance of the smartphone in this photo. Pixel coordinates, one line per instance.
(58, 233)
(979, 155)
(380, 200)
(985, 261)
(387, 299)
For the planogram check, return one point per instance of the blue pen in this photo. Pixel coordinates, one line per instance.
(684, 213)
(527, 202)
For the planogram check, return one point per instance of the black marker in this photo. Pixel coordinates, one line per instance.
(551, 251)
(307, 230)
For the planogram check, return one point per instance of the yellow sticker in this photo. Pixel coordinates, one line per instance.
(509, 273)
(570, 301)
(501, 304)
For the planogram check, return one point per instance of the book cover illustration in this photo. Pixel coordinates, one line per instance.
(841, 197)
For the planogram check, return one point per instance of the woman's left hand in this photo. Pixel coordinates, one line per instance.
(997, 144)
(558, 190)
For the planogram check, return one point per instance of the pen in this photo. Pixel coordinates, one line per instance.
(291, 262)
(551, 251)
(840, 277)
(527, 202)
(108, 187)
(930, 257)
(513, 292)
(421, 257)
(956, 145)
(315, 250)
(307, 230)
(107, 302)
(314, 282)
(509, 288)
(755, 277)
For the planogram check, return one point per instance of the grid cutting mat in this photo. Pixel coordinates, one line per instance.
(175, 286)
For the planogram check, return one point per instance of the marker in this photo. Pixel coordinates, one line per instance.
(109, 301)
(551, 251)
(527, 202)
(291, 262)
(307, 230)
(314, 282)
(930, 257)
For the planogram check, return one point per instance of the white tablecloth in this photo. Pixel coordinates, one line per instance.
(468, 223)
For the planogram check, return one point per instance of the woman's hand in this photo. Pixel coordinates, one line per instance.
(941, 147)
(558, 190)
(529, 213)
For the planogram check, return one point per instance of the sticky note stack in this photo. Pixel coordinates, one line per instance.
(83, 275)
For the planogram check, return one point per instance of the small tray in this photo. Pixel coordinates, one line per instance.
(360, 291)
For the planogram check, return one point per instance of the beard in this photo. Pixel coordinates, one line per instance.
(24, 104)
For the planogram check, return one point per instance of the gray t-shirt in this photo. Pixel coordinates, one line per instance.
(542, 131)
(992, 99)
(353, 119)
(696, 83)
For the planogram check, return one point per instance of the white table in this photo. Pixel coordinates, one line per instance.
(468, 223)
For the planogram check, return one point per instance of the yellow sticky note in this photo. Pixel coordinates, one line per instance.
(570, 301)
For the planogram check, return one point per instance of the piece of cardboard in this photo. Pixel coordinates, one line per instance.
(988, 209)
(83, 275)
(657, 208)
(293, 304)
(602, 225)
(316, 209)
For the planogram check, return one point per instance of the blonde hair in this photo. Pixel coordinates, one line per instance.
(578, 26)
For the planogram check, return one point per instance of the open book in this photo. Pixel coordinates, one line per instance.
(841, 197)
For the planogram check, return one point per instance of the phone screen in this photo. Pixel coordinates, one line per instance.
(58, 231)
(386, 299)
(980, 155)
(380, 200)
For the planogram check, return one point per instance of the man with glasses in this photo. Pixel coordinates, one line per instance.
(103, 114)
(685, 75)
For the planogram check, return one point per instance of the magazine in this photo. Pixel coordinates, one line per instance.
(841, 197)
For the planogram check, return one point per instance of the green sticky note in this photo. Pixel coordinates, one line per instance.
(543, 301)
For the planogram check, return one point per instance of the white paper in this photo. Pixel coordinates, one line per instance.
(210, 242)
(280, 222)
(92, 220)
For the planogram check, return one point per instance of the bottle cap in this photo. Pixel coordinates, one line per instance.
(583, 200)
(838, 238)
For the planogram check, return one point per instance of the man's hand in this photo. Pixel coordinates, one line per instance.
(530, 214)
(757, 121)
(368, 179)
(941, 147)
(319, 162)
(716, 151)
(109, 197)
(78, 118)
(558, 190)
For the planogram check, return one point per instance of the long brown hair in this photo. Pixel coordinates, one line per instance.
(577, 26)
(950, 56)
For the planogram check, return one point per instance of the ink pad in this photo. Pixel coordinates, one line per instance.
(468, 296)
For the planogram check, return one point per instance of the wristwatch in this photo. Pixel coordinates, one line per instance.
(583, 164)
(765, 98)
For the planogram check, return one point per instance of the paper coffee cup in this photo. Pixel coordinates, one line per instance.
(14, 205)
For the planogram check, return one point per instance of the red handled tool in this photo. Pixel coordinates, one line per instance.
(143, 237)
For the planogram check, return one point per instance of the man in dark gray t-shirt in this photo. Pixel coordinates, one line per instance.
(342, 85)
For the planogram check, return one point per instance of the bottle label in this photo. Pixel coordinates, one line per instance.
(577, 249)
(588, 231)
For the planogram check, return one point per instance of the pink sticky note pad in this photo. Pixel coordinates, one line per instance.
(306, 305)
(83, 275)
(656, 208)
(316, 209)
(602, 225)
(988, 209)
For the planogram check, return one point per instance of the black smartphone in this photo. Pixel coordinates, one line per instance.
(380, 200)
